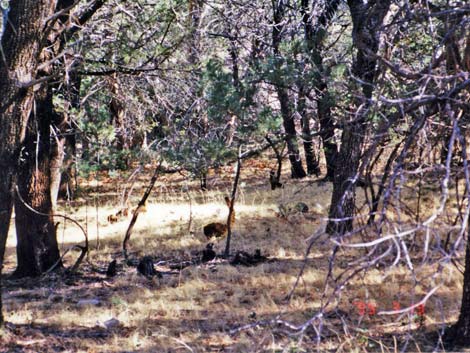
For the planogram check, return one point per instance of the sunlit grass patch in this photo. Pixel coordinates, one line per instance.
(197, 308)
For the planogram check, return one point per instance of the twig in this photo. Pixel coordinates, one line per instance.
(190, 222)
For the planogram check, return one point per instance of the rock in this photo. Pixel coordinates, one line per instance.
(55, 298)
(245, 259)
(208, 253)
(88, 302)
(112, 323)
(145, 267)
(301, 207)
(112, 269)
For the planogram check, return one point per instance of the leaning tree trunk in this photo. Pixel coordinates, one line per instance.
(37, 248)
(21, 44)
(367, 23)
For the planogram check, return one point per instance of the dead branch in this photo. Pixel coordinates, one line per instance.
(232, 201)
(127, 191)
(138, 209)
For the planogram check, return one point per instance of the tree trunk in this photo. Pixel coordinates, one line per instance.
(459, 333)
(313, 166)
(327, 130)
(297, 170)
(21, 44)
(315, 37)
(37, 248)
(453, 65)
(343, 199)
(39, 173)
(367, 22)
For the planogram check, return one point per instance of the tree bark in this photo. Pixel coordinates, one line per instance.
(287, 113)
(315, 37)
(327, 130)
(40, 166)
(37, 248)
(367, 22)
(22, 44)
(297, 170)
(313, 166)
(459, 333)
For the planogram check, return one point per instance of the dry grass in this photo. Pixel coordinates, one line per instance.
(195, 309)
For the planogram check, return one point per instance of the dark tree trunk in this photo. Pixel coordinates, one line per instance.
(203, 181)
(21, 44)
(297, 170)
(311, 160)
(453, 65)
(327, 130)
(466, 55)
(367, 22)
(315, 37)
(459, 333)
(343, 198)
(37, 248)
(39, 173)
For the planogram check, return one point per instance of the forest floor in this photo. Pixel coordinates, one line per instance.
(217, 306)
